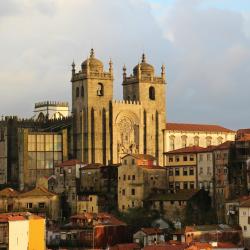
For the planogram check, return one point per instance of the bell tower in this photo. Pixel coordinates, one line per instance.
(149, 90)
(92, 92)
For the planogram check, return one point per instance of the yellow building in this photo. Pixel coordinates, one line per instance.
(139, 177)
(181, 167)
(37, 229)
(39, 201)
(89, 204)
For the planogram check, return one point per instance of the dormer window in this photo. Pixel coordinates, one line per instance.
(100, 89)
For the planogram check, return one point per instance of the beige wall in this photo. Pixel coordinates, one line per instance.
(244, 214)
(90, 205)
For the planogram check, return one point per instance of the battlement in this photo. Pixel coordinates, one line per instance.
(81, 75)
(51, 103)
(133, 79)
(128, 102)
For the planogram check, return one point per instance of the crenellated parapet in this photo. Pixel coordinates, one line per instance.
(51, 103)
(127, 102)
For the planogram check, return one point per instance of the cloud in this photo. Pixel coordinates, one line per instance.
(206, 51)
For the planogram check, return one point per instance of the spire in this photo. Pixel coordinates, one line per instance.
(163, 72)
(92, 53)
(124, 69)
(73, 68)
(143, 59)
(110, 66)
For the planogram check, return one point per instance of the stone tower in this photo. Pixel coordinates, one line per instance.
(149, 90)
(92, 92)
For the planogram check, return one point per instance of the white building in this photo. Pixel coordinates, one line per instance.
(180, 135)
(51, 110)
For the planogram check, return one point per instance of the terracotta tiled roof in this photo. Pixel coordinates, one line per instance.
(197, 127)
(245, 203)
(151, 230)
(206, 228)
(181, 195)
(245, 137)
(38, 191)
(226, 245)
(240, 199)
(69, 163)
(224, 145)
(166, 246)
(92, 166)
(192, 149)
(126, 246)
(15, 216)
(8, 192)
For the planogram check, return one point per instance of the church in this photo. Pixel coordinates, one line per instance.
(105, 129)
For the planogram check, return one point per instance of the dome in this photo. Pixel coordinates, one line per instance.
(146, 68)
(94, 63)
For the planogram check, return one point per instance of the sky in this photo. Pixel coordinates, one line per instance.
(205, 45)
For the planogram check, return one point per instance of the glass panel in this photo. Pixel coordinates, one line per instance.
(40, 160)
(40, 142)
(49, 143)
(49, 160)
(31, 142)
(57, 143)
(57, 158)
(32, 160)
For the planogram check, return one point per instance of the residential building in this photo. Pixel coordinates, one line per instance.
(66, 181)
(39, 201)
(90, 204)
(180, 135)
(22, 231)
(244, 221)
(138, 178)
(221, 168)
(125, 246)
(181, 165)
(205, 169)
(214, 246)
(7, 198)
(213, 233)
(149, 236)
(167, 245)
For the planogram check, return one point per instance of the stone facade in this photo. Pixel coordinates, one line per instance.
(139, 177)
(105, 130)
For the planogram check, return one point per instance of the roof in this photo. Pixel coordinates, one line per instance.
(69, 163)
(142, 156)
(17, 216)
(205, 228)
(192, 149)
(166, 246)
(181, 195)
(245, 203)
(224, 145)
(37, 191)
(8, 192)
(92, 166)
(197, 127)
(245, 137)
(125, 246)
(239, 199)
(151, 230)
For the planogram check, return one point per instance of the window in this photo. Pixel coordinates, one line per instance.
(82, 91)
(132, 191)
(152, 93)
(129, 177)
(177, 185)
(133, 161)
(184, 158)
(123, 192)
(177, 171)
(125, 162)
(124, 177)
(185, 171)
(69, 170)
(77, 92)
(177, 159)
(245, 228)
(100, 89)
(208, 141)
(200, 157)
(133, 177)
(170, 172)
(41, 205)
(191, 158)
(196, 140)
(171, 142)
(171, 185)
(191, 171)
(29, 205)
(191, 185)
(133, 204)
(209, 157)
(185, 185)
(184, 141)
(170, 159)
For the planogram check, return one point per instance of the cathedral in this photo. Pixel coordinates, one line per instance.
(105, 129)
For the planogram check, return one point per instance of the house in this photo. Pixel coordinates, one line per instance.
(7, 196)
(149, 236)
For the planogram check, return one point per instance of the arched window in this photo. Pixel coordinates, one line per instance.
(152, 93)
(196, 141)
(100, 89)
(184, 141)
(77, 92)
(82, 91)
(208, 141)
(171, 142)
(219, 140)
